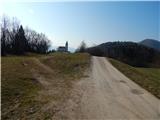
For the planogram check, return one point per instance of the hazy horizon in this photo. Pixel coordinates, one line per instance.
(93, 22)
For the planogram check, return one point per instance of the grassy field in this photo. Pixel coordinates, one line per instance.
(70, 65)
(34, 86)
(148, 78)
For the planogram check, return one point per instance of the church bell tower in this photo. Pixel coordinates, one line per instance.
(67, 46)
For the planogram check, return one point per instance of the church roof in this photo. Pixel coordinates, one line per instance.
(61, 47)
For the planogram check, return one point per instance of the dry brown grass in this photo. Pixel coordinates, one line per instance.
(36, 87)
(148, 78)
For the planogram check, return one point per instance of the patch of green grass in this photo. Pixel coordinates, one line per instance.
(148, 78)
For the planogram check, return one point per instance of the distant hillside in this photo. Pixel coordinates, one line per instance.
(151, 43)
(128, 52)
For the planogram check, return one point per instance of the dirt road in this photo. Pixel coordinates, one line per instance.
(108, 94)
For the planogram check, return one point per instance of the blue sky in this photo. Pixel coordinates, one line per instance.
(93, 22)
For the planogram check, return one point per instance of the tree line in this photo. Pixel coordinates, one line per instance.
(17, 40)
(128, 52)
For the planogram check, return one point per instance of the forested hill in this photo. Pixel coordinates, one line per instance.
(151, 43)
(129, 52)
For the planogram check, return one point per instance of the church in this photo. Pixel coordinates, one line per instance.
(63, 48)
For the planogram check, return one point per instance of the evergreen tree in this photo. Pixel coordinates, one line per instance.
(20, 42)
(16, 40)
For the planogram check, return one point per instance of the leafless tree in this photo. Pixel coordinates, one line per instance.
(82, 47)
(15, 40)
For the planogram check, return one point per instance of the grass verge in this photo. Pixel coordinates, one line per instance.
(18, 87)
(148, 78)
(68, 65)
(31, 91)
